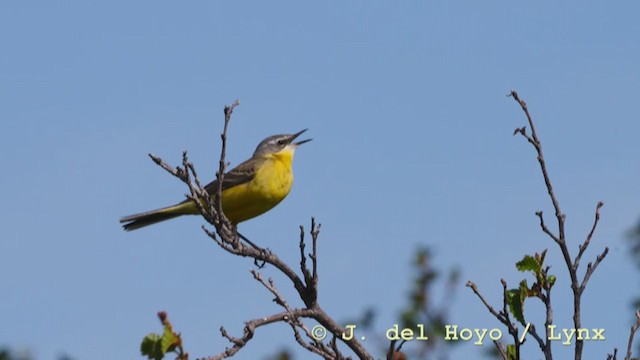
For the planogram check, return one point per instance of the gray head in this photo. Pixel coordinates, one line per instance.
(276, 143)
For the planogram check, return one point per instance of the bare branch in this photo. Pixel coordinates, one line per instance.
(501, 350)
(310, 277)
(250, 328)
(228, 110)
(317, 348)
(535, 141)
(560, 239)
(502, 318)
(392, 349)
(315, 231)
(534, 333)
(582, 248)
(523, 131)
(313, 346)
(591, 269)
(279, 299)
(544, 294)
(543, 291)
(546, 229)
(303, 256)
(177, 171)
(336, 351)
(632, 334)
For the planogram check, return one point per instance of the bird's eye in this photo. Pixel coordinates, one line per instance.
(280, 142)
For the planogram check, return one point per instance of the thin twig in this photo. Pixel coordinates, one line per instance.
(391, 349)
(250, 328)
(632, 334)
(295, 322)
(501, 316)
(538, 145)
(545, 229)
(315, 231)
(533, 332)
(583, 247)
(228, 110)
(501, 350)
(591, 268)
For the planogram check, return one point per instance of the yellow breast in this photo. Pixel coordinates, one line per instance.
(267, 189)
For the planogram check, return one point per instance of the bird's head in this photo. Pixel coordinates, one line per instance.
(277, 143)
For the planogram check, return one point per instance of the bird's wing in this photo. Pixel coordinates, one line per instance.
(241, 174)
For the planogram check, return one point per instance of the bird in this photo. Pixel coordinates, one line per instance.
(250, 189)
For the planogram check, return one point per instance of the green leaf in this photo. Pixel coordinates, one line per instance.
(516, 305)
(151, 347)
(528, 263)
(551, 279)
(169, 339)
(541, 257)
(511, 352)
(524, 290)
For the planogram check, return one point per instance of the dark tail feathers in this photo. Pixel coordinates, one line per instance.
(137, 221)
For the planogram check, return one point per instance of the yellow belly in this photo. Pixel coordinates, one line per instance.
(267, 189)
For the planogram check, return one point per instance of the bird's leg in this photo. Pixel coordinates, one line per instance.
(262, 251)
(249, 241)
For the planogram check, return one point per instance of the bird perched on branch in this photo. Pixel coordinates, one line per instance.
(248, 190)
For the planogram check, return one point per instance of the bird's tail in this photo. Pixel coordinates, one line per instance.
(137, 221)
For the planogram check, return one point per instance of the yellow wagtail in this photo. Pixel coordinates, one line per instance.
(250, 189)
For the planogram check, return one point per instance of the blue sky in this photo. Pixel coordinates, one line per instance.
(412, 146)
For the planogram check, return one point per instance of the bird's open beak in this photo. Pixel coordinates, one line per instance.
(294, 136)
